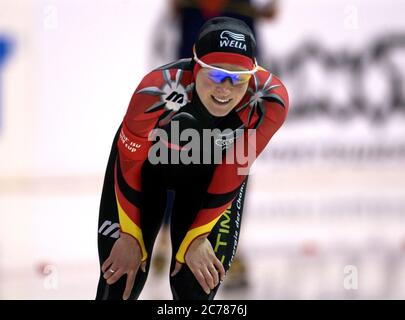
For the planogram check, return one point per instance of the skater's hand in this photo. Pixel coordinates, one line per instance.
(203, 263)
(125, 258)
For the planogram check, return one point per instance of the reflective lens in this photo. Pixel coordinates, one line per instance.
(219, 76)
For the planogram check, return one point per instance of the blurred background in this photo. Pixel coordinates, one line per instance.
(325, 213)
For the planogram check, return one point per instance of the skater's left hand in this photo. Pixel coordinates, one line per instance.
(203, 263)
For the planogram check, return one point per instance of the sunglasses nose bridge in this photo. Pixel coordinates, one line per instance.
(233, 80)
(229, 82)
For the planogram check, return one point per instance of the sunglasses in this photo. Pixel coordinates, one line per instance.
(219, 75)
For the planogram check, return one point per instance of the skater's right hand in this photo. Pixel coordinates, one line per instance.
(125, 258)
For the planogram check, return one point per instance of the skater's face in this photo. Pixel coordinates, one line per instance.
(218, 93)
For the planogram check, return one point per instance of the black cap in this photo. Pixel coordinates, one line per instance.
(225, 34)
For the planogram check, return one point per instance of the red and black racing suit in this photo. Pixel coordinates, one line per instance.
(208, 198)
